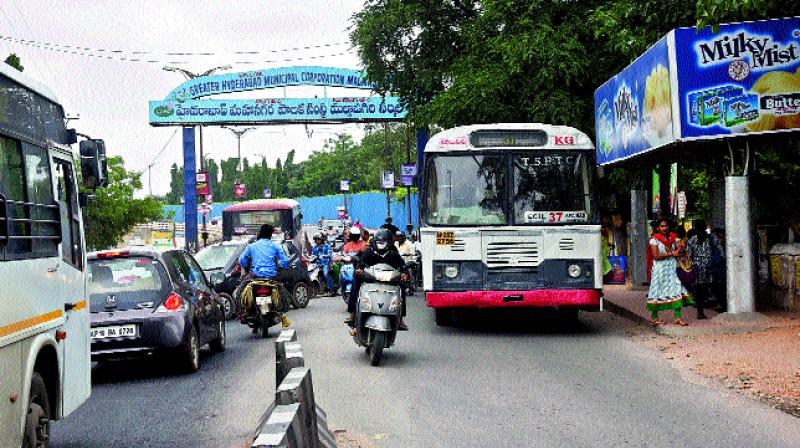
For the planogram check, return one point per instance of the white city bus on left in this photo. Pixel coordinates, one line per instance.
(45, 369)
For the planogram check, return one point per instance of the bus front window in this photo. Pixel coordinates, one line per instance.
(551, 187)
(467, 190)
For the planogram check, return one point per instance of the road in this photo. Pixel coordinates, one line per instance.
(508, 380)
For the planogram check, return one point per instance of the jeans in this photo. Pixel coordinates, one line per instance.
(326, 273)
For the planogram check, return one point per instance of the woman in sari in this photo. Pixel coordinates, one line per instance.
(666, 290)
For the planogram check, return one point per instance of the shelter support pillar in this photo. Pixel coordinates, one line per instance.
(741, 277)
(189, 189)
(639, 236)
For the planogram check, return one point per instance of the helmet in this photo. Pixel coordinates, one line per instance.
(400, 235)
(382, 240)
(318, 236)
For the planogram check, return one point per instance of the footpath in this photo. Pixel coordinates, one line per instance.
(758, 356)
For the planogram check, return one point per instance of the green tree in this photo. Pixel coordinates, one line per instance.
(113, 211)
(14, 61)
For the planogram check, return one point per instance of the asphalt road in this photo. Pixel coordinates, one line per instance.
(507, 380)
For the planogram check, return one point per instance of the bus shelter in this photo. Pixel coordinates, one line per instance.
(694, 92)
(187, 106)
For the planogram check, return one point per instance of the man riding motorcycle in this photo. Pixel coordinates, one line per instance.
(324, 256)
(405, 247)
(259, 262)
(381, 251)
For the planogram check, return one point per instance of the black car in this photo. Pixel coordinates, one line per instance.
(224, 257)
(146, 301)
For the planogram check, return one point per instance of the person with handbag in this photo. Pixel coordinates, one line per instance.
(666, 290)
(703, 249)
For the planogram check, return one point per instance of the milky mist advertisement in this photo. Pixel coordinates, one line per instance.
(743, 79)
(633, 110)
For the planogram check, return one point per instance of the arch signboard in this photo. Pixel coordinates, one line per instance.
(187, 106)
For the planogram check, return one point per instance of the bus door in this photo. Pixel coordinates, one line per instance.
(76, 373)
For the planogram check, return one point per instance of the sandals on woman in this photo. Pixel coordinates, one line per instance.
(655, 322)
(680, 323)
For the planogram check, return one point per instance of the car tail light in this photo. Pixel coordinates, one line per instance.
(305, 262)
(112, 254)
(263, 291)
(173, 302)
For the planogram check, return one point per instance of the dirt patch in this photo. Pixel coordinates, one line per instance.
(763, 365)
(345, 439)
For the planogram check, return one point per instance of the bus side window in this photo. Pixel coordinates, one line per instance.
(12, 186)
(44, 212)
(67, 199)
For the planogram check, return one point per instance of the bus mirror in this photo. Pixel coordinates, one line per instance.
(94, 166)
(71, 137)
(83, 199)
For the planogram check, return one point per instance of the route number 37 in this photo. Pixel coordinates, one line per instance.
(555, 216)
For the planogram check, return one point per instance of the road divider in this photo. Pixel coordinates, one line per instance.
(293, 420)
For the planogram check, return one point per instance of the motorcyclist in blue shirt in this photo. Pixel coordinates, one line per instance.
(324, 256)
(262, 255)
(261, 259)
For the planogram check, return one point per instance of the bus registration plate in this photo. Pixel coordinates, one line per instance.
(118, 331)
(552, 217)
(445, 238)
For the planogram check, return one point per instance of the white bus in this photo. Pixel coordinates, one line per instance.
(508, 220)
(44, 323)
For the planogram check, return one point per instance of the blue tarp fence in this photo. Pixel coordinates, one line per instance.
(369, 208)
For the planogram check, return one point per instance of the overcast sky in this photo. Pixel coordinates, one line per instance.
(111, 95)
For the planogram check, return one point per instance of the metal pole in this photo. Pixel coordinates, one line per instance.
(239, 152)
(387, 165)
(409, 226)
(204, 231)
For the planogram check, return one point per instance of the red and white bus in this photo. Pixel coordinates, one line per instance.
(244, 220)
(508, 220)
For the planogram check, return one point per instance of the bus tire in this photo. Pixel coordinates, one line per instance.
(443, 317)
(37, 420)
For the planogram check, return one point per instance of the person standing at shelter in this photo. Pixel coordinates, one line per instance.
(704, 250)
(666, 290)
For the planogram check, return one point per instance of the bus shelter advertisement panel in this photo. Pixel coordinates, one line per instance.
(633, 110)
(743, 79)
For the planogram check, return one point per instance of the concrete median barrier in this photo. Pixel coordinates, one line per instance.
(294, 419)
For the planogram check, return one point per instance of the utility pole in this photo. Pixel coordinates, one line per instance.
(409, 226)
(190, 75)
(387, 165)
(238, 133)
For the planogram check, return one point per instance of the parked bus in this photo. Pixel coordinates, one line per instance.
(44, 322)
(244, 220)
(509, 220)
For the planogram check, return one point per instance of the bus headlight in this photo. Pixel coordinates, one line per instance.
(574, 271)
(451, 271)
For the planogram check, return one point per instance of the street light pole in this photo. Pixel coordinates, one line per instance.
(190, 75)
(238, 133)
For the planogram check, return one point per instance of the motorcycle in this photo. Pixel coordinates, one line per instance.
(315, 275)
(412, 265)
(378, 310)
(265, 310)
(346, 275)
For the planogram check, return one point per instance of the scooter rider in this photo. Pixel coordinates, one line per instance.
(405, 247)
(381, 251)
(324, 255)
(259, 260)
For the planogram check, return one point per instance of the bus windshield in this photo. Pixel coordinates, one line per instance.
(467, 190)
(546, 187)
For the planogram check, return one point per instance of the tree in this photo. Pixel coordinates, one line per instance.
(14, 61)
(113, 211)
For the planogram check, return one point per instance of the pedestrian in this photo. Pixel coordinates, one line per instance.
(704, 250)
(666, 291)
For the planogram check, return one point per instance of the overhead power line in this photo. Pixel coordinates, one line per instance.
(120, 54)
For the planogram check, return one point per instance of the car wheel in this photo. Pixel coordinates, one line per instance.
(218, 345)
(300, 295)
(37, 420)
(227, 305)
(191, 353)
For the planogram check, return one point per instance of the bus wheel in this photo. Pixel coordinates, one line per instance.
(444, 317)
(37, 421)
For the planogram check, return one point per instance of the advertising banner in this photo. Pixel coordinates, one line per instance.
(277, 110)
(201, 183)
(743, 79)
(240, 191)
(344, 185)
(387, 179)
(202, 86)
(633, 110)
(408, 169)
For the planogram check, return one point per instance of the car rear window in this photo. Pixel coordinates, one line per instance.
(216, 257)
(128, 279)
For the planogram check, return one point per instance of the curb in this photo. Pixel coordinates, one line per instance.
(627, 314)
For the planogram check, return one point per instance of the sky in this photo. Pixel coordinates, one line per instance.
(110, 95)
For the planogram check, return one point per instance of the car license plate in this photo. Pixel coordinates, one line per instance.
(118, 331)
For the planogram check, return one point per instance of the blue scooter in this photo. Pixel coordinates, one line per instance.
(346, 274)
